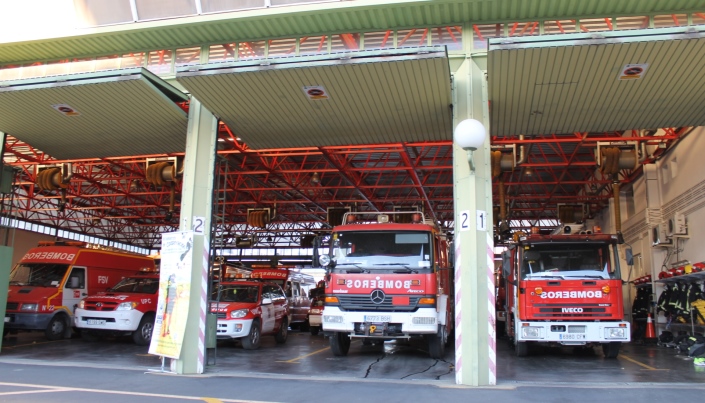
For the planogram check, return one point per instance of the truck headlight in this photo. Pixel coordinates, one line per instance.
(324, 260)
(614, 333)
(240, 313)
(126, 306)
(82, 304)
(30, 307)
(530, 332)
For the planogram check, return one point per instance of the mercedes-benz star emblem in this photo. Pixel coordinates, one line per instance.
(99, 304)
(377, 296)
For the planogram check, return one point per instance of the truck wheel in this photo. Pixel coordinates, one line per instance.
(251, 341)
(314, 330)
(437, 343)
(611, 350)
(56, 328)
(522, 348)
(143, 334)
(340, 344)
(280, 337)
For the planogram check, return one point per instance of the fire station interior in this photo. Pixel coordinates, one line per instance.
(599, 157)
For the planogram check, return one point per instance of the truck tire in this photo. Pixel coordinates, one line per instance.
(522, 348)
(251, 341)
(56, 328)
(611, 350)
(340, 344)
(437, 343)
(143, 334)
(314, 330)
(283, 332)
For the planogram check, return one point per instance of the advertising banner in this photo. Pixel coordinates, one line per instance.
(174, 291)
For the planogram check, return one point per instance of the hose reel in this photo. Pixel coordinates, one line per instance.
(164, 173)
(259, 218)
(54, 178)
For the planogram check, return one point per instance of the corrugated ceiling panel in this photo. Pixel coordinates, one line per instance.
(318, 19)
(370, 98)
(119, 114)
(572, 83)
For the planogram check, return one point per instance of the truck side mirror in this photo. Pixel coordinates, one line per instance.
(506, 264)
(629, 257)
(74, 282)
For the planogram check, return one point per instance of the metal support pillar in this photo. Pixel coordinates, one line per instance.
(196, 206)
(5, 266)
(474, 245)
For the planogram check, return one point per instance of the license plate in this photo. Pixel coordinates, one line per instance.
(378, 318)
(572, 336)
(95, 322)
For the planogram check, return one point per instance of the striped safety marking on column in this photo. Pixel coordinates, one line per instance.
(203, 305)
(492, 315)
(458, 315)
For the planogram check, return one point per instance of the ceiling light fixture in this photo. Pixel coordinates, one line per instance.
(315, 178)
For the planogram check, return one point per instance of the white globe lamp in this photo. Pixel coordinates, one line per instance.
(470, 134)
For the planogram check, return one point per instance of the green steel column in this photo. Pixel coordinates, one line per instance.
(474, 302)
(5, 267)
(196, 206)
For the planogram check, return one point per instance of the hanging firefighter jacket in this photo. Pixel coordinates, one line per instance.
(669, 299)
(642, 301)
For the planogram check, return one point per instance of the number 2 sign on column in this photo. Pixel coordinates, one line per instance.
(464, 220)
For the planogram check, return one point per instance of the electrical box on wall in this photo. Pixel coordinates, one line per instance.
(659, 237)
(677, 225)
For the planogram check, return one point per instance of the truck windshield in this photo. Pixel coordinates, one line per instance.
(569, 261)
(137, 285)
(238, 293)
(382, 250)
(38, 274)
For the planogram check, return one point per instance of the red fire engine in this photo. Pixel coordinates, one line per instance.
(50, 280)
(387, 280)
(566, 289)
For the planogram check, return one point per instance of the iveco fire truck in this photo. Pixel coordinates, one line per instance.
(566, 289)
(388, 277)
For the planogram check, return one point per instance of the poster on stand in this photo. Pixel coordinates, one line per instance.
(174, 293)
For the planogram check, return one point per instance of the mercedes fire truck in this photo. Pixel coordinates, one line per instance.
(565, 289)
(388, 276)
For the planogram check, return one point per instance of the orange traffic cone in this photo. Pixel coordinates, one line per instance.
(650, 331)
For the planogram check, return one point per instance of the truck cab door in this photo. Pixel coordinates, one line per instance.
(74, 288)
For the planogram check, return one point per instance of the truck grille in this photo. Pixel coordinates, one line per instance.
(364, 303)
(570, 311)
(12, 306)
(104, 305)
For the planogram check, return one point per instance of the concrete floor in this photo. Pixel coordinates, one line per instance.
(309, 356)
